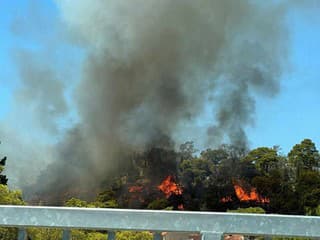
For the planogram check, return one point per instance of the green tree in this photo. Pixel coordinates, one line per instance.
(158, 204)
(106, 199)
(216, 156)
(8, 197)
(195, 175)
(308, 191)
(128, 235)
(257, 210)
(226, 167)
(305, 177)
(56, 234)
(3, 178)
(269, 175)
(187, 150)
(304, 156)
(44, 233)
(75, 202)
(264, 159)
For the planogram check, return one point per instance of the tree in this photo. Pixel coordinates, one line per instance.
(3, 178)
(106, 199)
(8, 197)
(187, 150)
(265, 159)
(158, 204)
(195, 175)
(129, 235)
(305, 177)
(257, 210)
(226, 167)
(308, 191)
(304, 156)
(75, 202)
(216, 156)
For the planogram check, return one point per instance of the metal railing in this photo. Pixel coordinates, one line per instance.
(211, 225)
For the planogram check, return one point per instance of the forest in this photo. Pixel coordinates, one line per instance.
(227, 178)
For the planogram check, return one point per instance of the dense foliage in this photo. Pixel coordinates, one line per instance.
(208, 181)
(288, 184)
(3, 178)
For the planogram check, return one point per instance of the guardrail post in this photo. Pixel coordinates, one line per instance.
(22, 234)
(211, 236)
(111, 235)
(66, 234)
(157, 236)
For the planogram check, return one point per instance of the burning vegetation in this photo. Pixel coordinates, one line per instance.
(245, 195)
(220, 179)
(170, 187)
(135, 189)
(251, 195)
(146, 74)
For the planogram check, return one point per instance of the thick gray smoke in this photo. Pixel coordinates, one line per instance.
(153, 65)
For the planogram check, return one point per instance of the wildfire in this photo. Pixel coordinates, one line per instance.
(134, 189)
(245, 196)
(249, 196)
(226, 199)
(169, 187)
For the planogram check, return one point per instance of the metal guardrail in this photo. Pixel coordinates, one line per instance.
(211, 225)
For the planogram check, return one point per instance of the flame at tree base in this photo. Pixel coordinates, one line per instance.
(171, 189)
(252, 195)
(134, 189)
(245, 196)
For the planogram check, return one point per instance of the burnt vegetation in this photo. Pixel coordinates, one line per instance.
(226, 178)
(219, 179)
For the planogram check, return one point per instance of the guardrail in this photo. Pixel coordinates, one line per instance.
(211, 225)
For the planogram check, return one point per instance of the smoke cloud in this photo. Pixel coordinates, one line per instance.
(41, 90)
(152, 66)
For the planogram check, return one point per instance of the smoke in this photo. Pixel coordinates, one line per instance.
(38, 109)
(41, 90)
(152, 66)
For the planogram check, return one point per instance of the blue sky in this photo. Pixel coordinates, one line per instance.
(284, 120)
(12, 12)
(294, 114)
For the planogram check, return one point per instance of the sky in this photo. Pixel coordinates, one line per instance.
(284, 120)
(294, 114)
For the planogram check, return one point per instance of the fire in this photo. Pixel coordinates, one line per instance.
(244, 196)
(226, 199)
(133, 189)
(169, 187)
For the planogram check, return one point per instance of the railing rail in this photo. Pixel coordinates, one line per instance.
(211, 225)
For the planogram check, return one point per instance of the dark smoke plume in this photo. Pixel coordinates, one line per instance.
(153, 65)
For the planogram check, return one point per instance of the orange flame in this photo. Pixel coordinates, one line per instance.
(226, 199)
(134, 189)
(249, 196)
(169, 187)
